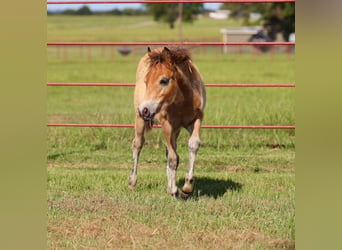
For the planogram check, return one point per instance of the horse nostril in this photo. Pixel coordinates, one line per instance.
(146, 112)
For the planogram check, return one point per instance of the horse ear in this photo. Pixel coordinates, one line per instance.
(166, 53)
(148, 50)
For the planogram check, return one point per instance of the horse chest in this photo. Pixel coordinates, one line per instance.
(179, 116)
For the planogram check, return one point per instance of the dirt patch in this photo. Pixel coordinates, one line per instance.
(235, 169)
(241, 240)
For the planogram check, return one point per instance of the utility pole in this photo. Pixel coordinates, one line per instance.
(180, 17)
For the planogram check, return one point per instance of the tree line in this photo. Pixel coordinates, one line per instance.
(280, 17)
(85, 10)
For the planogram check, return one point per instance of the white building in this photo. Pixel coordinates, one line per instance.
(219, 14)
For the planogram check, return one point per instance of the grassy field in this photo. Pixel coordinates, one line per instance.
(244, 196)
(130, 28)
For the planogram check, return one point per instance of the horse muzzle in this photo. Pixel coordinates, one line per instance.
(147, 110)
(146, 114)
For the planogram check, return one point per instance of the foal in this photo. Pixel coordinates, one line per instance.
(169, 89)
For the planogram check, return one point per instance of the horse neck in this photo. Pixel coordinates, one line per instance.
(184, 82)
(190, 76)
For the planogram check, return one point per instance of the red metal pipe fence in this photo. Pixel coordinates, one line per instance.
(158, 126)
(166, 43)
(171, 43)
(91, 84)
(170, 1)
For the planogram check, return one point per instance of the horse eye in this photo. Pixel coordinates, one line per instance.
(164, 81)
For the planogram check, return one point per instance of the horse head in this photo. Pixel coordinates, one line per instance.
(162, 83)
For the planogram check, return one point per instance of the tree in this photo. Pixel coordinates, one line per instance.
(280, 16)
(169, 12)
(84, 10)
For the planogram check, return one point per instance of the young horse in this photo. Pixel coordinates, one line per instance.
(169, 89)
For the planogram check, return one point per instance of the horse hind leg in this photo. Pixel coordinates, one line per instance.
(193, 146)
(138, 143)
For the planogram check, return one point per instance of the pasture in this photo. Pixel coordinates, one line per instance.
(244, 179)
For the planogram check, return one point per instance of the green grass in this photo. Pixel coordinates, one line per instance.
(130, 28)
(91, 207)
(244, 191)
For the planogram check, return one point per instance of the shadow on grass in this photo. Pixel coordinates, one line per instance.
(206, 186)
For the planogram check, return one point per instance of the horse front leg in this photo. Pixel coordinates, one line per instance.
(193, 146)
(171, 136)
(138, 143)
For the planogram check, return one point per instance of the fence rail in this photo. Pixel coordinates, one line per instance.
(171, 1)
(91, 84)
(158, 126)
(167, 43)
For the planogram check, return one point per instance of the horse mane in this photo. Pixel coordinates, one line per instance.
(173, 55)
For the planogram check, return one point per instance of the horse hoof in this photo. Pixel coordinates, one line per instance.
(185, 196)
(175, 195)
(131, 184)
(132, 181)
(188, 186)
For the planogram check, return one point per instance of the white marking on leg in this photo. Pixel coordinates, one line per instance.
(194, 143)
(193, 146)
(171, 170)
(138, 143)
(172, 157)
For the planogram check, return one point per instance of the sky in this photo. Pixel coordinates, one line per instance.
(102, 7)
